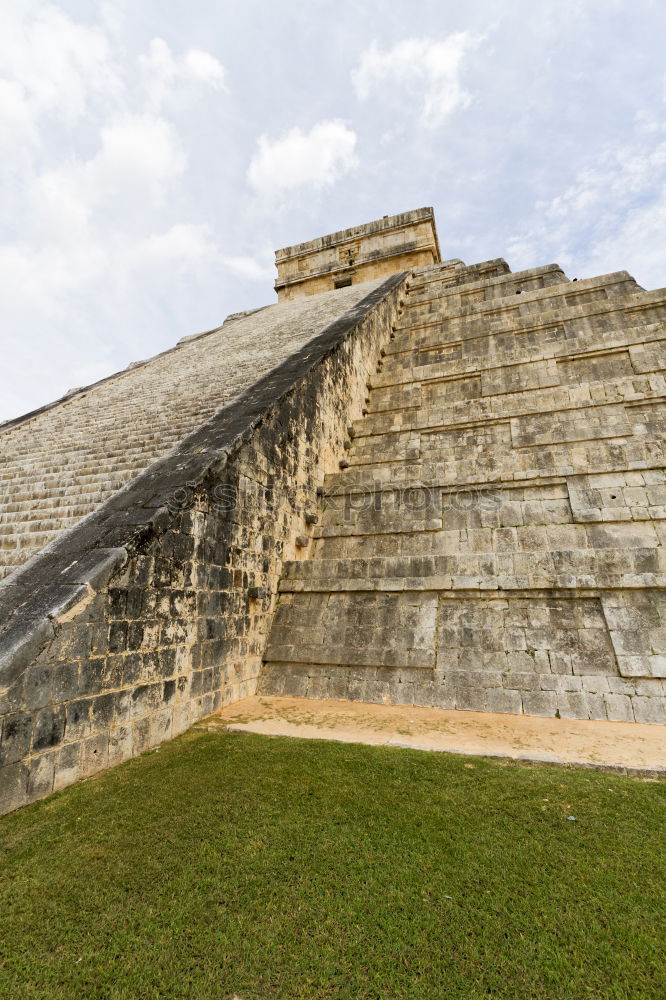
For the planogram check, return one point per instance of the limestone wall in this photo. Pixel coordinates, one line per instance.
(363, 253)
(154, 610)
(496, 539)
(371, 270)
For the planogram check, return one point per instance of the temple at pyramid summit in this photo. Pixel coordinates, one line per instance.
(409, 481)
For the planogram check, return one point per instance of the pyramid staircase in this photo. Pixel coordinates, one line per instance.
(493, 539)
(61, 463)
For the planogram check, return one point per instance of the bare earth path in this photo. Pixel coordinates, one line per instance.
(631, 748)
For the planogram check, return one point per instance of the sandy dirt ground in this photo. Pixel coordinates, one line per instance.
(625, 747)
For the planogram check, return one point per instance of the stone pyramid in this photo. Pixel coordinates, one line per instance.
(410, 481)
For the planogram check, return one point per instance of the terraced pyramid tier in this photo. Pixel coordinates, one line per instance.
(494, 540)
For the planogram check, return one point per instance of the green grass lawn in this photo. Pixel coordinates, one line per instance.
(227, 866)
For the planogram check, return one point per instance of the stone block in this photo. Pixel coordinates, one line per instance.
(20, 644)
(160, 725)
(120, 746)
(182, 718)
(542, 703)
(658, 666)
(77, 719)
(502, 700)
(36, 686)
(619, 708)
(49, 728)
(67, 766)
(566, 682)
(596, 706)
(92, 676)
(634, 666)
(572, 705)
(94, 754)
(65, 683)
(73, 641)
(560, 663)
(631, 642)
(652, 710)
(102, 712)
(595, 684)
(296, 685)
(41, 775)
(13, 786)
(16, 740)
(526, 681)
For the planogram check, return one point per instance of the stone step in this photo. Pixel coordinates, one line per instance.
(575, 421)
(67, 492)
(69, 506)
(29, 538)
(411, 541)
(485, 464)
(50, 484)
(24, 544)
(79, 452)
(550, 326)
(484, 288)
(645, 346)
(8, 532)
(475, 514)
(153, 436)
(651, 475)
(395, 510)
(545, 386)
(420, 306)
(455, 272)
(560, 401)
(49, 463)
(53, 481)
(587, 569)
(567, 336)
(593, 291)
(65, 460)
(50, 460)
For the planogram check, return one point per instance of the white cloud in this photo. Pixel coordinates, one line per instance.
(251, 268)
(54, 69)
(71, 216)
(113, 15)
(314, 159)
(58, 208)
(182, 246)
(38, 280)
(611, 217)
(422, 69)
(167, 75)
(138, 159)
(204, 67)
(637, 245)
(57, 63)
(142, 150)
(42, 281)
(17, 124)
(91, 207)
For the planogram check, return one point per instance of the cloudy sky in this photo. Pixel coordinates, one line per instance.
(154, 154)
